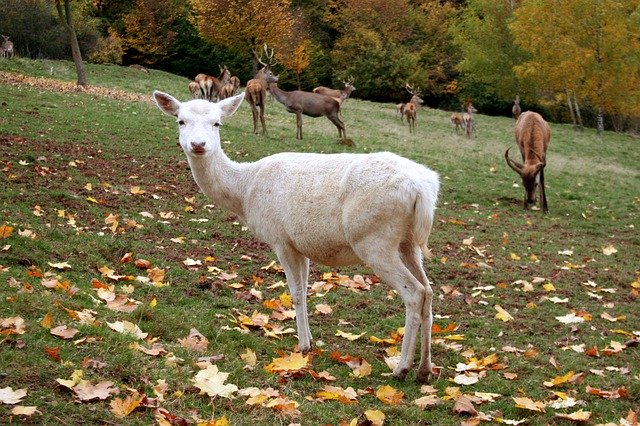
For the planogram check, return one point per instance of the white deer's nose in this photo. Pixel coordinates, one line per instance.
(197, 147)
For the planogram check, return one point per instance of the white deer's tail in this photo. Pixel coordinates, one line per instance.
(424, 213)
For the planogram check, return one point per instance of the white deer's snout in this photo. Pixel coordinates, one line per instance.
(198, 146)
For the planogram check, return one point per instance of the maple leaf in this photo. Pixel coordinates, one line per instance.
(211, 381)
(155, 350)
(129, 328)
(346, 396)
(463, 405)
(389, 395)
(9, 396)
(13, 325)
(195, 341)
(290, 364)
(250, 359)
(64, 332)
(86, 391)
(376, 417)
(559, 380)
(123, 407)
(5, 231)
(529, 404)
(427, 401)
(24, 411)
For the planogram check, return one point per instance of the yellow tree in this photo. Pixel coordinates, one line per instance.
(585, 49)
(246, 25)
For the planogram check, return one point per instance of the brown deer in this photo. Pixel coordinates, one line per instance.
(533, 136)
(194, 89)
(516, 110)
(256, 90)
(310, 104)
(6, 49)
(469, 121)
(230, 88)
(456, 121)
(338, 95)
(210, 86)
(411, 107)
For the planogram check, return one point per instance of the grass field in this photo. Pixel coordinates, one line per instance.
(110, 258)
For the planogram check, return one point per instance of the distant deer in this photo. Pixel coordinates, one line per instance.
(194, 89)
(456, 121)
(310, 104)
(516, 110)
(469, 121)
(230, 88)
(6, 48)
(210, 86)
(410, 108)
(338, 95)
(256, 90)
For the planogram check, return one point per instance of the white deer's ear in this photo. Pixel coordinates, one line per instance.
(167, 103)
(230, 105)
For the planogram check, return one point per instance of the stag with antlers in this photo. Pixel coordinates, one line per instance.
(256, 90)
(411, 107)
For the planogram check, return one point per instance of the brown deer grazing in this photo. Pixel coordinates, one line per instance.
(210, 86)
(6, 49)
(310, 104)
(469, 121)
(456, 121)
(411, 107)
(230, 88)
(516, 110)
(256, 90)
(338, 95)
(532, 137)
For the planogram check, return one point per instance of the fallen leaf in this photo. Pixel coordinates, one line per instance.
(9, 396)
(346, 396)
(86, 391)
(293, 363)
(24, 411)
(463, 405)
(211, 381)
(64, 332)
(389, 395)
(529, 404)
(502, 314)
(427, 401)
(559, 380)
(123, 407)
(609, 250)
(126, 327)
(349, 336)
(578, 416)
(195, 341)
(60, 265)
(376, 417)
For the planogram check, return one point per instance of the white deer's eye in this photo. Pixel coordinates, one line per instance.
(217, 124)
(180, 122)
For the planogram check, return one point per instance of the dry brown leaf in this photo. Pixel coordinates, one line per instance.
(64, 332)
(86, 391)
(463, 405)
(195, 341)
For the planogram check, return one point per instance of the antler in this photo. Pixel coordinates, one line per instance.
(269, 55)
(411, 90)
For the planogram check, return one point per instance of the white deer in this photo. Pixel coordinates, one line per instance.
(334, 209)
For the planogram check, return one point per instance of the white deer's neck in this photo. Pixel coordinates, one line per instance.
(220, 179)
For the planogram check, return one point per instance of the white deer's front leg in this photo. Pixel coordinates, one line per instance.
(296, 269)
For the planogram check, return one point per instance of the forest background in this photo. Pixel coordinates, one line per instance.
(574, 60)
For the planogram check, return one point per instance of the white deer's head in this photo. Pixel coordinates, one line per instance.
(198, 121)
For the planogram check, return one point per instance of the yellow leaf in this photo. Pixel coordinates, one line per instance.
(549, 287)
(578, 416)
(529, 404)
(609, 250)
(502, 314)
(249, 357)
(24, 411)
(47, 321)
(558, 380)
(376, 417)
(514, 256)
(349, 336)
(153, 303)
(291, 363)
(389, 395)
(123, 407)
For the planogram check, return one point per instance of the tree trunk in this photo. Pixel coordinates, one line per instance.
(67, 22)
(573, 115)
(576, 107)
(600, 119)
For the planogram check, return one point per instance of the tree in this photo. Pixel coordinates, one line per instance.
(150, 29)
(245, 26)
(588, 50)
(489, 54)
(65, 14)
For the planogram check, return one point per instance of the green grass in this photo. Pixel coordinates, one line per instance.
(53, 144)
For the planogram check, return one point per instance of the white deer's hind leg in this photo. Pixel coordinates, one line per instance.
(412, 257)
(296, 269)
(392, 270)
